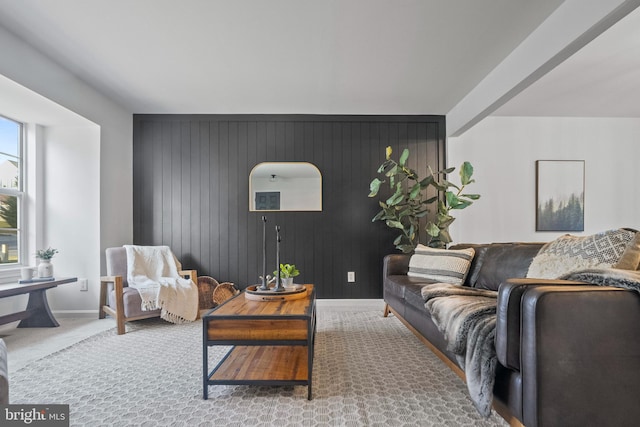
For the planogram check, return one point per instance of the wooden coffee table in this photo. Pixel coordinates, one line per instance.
(271, 342)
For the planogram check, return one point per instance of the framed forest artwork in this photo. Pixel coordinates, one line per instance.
(560, 195)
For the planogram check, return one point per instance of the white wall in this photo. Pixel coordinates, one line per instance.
(503, 151)
(105, 167)
(72, 171)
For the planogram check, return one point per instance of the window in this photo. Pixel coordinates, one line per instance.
(11, 191)
(267, 200)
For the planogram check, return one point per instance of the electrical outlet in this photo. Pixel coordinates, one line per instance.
(351, 276)
(84, 284)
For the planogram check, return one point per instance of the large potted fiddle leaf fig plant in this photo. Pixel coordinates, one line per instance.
(409, 203)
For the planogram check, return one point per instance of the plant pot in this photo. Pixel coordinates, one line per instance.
(287, 282)
(45, 268)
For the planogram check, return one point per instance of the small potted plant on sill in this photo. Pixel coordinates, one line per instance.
(287, 273)
(45, 268)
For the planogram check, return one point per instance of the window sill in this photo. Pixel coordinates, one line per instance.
(10, 275)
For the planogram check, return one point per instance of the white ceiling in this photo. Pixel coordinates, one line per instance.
(600, 80)
(278, 56)
(321, 57)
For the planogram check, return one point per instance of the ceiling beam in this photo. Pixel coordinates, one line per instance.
(572, 26)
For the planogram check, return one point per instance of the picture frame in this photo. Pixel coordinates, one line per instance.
(560, 195)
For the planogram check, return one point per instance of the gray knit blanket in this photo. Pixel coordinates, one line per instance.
(628, 279)
(467, 318)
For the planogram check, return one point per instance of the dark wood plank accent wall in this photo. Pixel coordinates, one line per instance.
(191, 192)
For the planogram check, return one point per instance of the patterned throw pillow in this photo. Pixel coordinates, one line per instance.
(441, 265)
(570, 253)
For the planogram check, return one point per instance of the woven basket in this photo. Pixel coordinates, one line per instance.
(223, 292)
(206, 286)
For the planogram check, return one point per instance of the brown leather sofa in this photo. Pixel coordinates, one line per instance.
(568, 353)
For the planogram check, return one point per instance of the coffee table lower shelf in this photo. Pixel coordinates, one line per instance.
(263, 365)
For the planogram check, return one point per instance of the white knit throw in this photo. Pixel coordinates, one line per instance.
(153, 271)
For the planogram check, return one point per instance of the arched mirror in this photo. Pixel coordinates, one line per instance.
(285, 186)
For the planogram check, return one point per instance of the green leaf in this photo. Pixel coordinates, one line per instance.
(471, 196)
(447, 170)
(415, 191)
(431, 200)
(403, 157)
(445, 224)
(378, 216)
(442, 207)
(405, 212)
(374, 187)
(451, 184)
(427, 181)
(445, 236)
(395, 224)
(396, 198)
(445, 221)
(462, 204)
(452, 199)
(411, 174)
(466, 170)
(398, 240)
(442, 217)
(439, 187)
(432, 229)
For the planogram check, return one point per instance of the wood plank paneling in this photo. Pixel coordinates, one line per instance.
(191, 192)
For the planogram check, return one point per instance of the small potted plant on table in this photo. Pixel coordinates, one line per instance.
(287, 273)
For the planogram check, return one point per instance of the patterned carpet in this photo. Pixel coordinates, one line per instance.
(368, 371)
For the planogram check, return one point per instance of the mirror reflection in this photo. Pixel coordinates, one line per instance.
(285, 186)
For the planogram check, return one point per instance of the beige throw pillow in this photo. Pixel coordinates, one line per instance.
(441, 265)
(630, 259)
